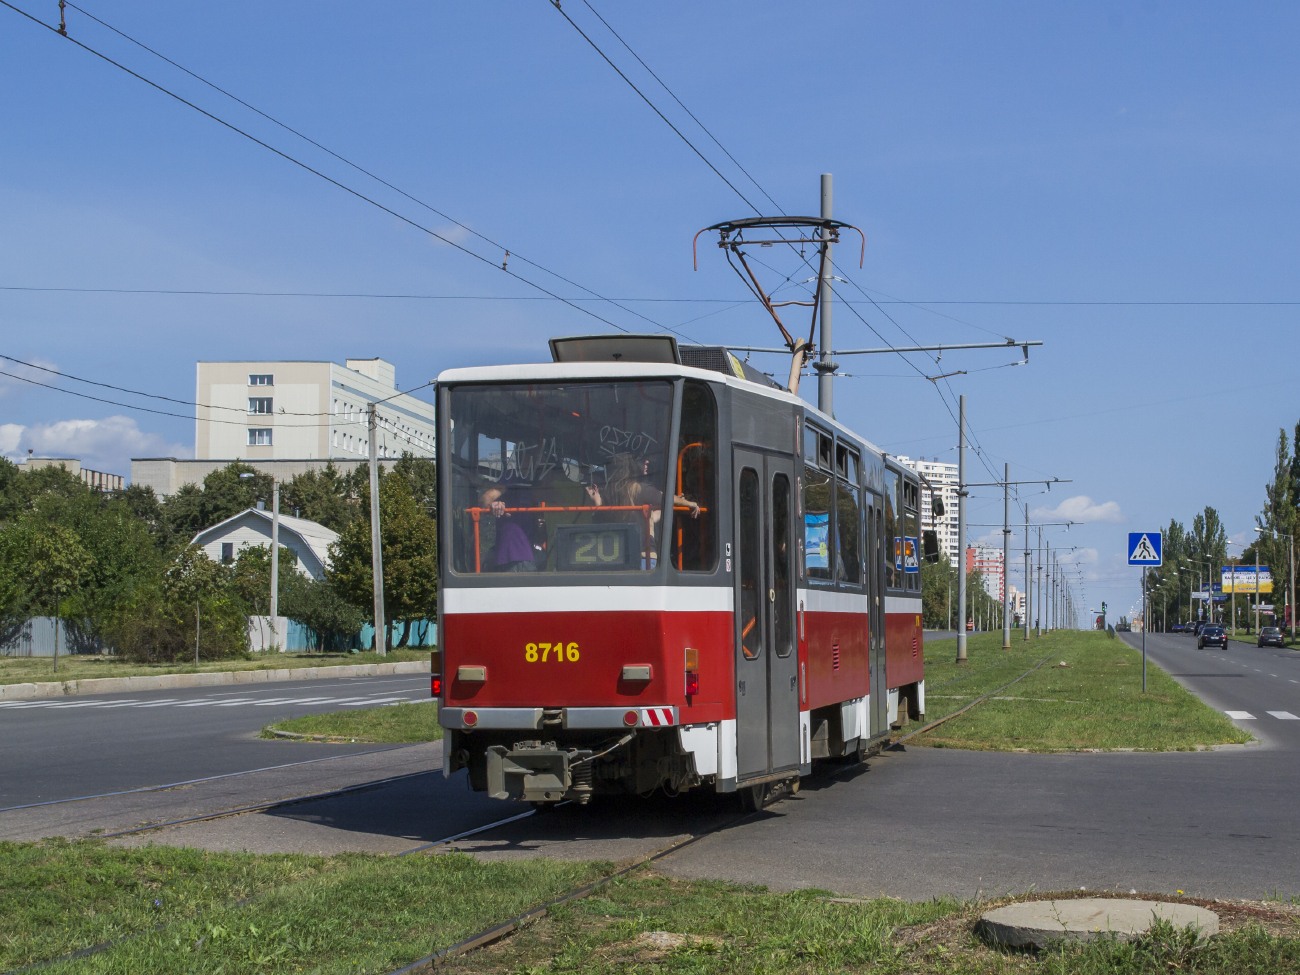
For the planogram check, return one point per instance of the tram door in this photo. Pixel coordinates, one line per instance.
(879, 703)
(767, 683)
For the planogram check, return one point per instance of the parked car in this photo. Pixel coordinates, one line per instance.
(1178, 628)
(1212, 636)
(1270, 636)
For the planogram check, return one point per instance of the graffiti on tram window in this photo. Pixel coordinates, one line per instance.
(817, 540)
(910, 562)
(615, 441)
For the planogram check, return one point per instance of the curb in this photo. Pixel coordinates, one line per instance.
(163, 682)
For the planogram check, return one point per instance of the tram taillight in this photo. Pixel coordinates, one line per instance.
(692, 672)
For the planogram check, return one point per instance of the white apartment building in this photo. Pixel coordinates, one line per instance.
(289, 417)
(944, 478)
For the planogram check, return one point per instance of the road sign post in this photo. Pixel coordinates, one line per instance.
(1145, 549)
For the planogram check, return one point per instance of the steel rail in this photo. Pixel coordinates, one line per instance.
(242, 902)
(495, 933)
(983, 697)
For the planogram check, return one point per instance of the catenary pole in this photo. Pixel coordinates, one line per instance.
(1029, 577)
(825, 367)
(376, 545)
(275, 564)
(1145, 623)
(961, 529)
(1006, 556)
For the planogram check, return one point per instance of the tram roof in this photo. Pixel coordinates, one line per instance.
(560, 371)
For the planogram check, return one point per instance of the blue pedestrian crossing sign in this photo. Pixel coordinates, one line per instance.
(1144, 548)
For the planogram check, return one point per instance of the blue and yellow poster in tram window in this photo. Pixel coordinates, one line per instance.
(898, 554)
(910, 562)
(817, 540)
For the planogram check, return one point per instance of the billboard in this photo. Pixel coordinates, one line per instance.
(1241, 578)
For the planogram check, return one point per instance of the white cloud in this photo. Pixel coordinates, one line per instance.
(103, 445)
(1082, 556)
(10, 435)
(1080, 509)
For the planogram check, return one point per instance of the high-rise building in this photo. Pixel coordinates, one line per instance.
(944, 479)
(288, 417)
(988, 561)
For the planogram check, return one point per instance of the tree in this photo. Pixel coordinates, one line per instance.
(329, 496)
(410, 545)
(421, 475)
(938, 593)
(225, 493)
(57, 564)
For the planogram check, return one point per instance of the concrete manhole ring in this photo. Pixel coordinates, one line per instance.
(1041, 923)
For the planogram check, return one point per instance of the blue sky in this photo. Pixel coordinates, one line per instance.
(990, 152)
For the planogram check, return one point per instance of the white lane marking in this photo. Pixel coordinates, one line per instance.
(1284, 715)
(209, 702)
(1240, 715)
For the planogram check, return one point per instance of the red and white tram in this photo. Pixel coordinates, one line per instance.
(660, 569)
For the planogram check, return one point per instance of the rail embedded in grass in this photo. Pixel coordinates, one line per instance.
(1091, 698)
(346, 913)
(392, 723)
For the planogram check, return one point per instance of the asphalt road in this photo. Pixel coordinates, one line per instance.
(914, 822)
(60, 748)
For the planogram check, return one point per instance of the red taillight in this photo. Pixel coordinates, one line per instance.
(630, 718)
(435, 686)
(692, 683)
(470, 719)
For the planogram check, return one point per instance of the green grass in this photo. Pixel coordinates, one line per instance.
(352, 913)
(22, 670)
(1094, 702)
(735, 929)
(393, 723)
(176, 911)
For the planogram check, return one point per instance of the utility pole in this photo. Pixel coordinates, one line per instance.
(1256, 587)
(824, 366)
(196, 631)
(376, 547)
(1006, 556)
(1038, 607)
(961, 526)
(1029, 576)
(275, 562)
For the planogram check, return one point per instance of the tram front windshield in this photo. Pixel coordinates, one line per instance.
(568, 477)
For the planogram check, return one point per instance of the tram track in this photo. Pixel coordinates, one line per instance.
(244, 902)
(498, 931)
(983, 697)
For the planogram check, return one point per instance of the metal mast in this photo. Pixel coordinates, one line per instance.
(824, 366)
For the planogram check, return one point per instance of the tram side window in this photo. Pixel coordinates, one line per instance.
(818, 505)
(695, 506)
(848, 518)
(751, 627)
(912, 545)
(893, 533)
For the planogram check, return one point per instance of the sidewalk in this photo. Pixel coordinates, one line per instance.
(161, 682)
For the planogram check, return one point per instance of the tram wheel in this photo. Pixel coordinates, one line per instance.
(753, 797)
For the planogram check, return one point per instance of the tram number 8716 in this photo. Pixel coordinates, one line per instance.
(540, 652)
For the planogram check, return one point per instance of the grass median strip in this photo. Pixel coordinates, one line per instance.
(24, 670)
(387, 723)
(649, 923)
(352, 913)
(1089, 696)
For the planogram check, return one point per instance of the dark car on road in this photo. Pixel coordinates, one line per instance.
(1270, 636)
(1212, 636)
(1200, 625)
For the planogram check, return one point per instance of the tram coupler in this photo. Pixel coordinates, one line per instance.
(532, 771)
